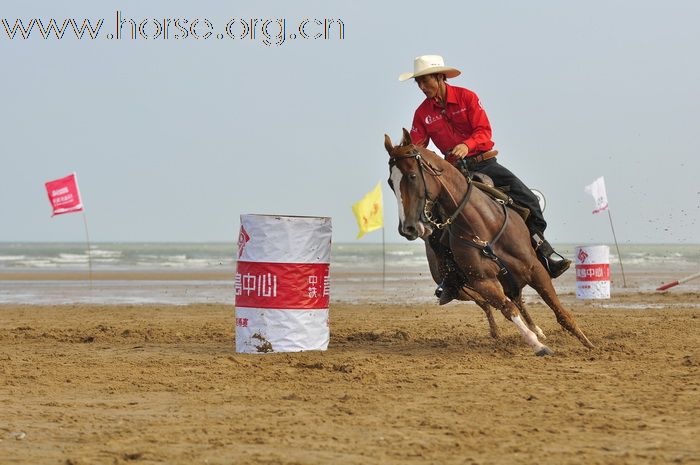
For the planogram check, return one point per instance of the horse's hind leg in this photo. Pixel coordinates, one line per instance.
(493, 328)
(543, 285)
(530, 323)
(491, 290)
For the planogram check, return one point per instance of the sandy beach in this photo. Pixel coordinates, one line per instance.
(408, 383)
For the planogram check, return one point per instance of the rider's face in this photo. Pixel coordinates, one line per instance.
(429, 85)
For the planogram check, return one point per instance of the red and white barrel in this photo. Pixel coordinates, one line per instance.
(593, 272)
(282, 284)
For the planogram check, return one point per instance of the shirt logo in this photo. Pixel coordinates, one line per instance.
(431, 119)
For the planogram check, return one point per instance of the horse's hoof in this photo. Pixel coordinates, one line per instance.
(544, 351)
(587, 343)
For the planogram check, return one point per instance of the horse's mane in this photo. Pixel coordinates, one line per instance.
(434, 160)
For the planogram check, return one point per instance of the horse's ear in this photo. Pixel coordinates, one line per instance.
(406, 138)
(388, 144)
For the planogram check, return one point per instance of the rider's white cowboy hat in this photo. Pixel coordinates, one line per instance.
(429, 64)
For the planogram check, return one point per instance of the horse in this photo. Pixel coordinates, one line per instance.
(496, 270)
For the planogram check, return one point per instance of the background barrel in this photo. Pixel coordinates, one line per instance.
(282, 283)
(593, 272)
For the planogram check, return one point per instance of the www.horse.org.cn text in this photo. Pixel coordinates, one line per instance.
(271, 32)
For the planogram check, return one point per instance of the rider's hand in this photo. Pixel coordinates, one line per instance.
(459, 151)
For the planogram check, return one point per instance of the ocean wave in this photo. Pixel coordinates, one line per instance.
(106, 253)
(70, 258)
(38, 263)
(401, 253)
(105, 260)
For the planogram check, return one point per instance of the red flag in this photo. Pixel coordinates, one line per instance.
(64, 195)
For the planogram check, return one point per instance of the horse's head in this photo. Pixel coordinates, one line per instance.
(410, 185)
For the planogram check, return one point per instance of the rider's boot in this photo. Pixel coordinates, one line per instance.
(555, 264)
(449, 288)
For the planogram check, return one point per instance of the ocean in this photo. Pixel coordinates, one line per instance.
(116, 256)
(359, 271)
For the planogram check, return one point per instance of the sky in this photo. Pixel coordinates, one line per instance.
(172, 139)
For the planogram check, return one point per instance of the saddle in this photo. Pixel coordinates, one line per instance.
(485, 184)
(484, 179)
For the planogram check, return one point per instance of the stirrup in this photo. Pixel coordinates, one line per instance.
(545, 253)
(557, 268)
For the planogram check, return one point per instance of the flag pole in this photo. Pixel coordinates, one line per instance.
(680, 281)
(619, 256)
(383, 260)
(87, 240)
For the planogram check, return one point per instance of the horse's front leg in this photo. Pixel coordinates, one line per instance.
(492, 291)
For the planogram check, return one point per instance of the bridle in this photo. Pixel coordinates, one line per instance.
(428, 202)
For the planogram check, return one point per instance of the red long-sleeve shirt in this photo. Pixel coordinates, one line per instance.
(461, 121)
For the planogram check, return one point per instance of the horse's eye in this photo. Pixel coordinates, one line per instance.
(412, 176)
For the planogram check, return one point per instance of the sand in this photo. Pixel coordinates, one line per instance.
(400, 384)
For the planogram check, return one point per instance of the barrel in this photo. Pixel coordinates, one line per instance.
(593, 272)
(282, 283)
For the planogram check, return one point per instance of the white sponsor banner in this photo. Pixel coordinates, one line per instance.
(593, 272)
(285, 239)
(263, 330)
(282, 284)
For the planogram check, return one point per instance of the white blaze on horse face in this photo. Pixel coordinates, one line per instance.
(395, 177)
(527, 334)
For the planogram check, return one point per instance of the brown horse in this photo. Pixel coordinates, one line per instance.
(491, 247)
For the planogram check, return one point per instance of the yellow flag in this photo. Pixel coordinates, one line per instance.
(369, 211)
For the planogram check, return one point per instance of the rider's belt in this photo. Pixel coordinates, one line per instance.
(479, 157)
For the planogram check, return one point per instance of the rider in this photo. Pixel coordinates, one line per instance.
(453, 118)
